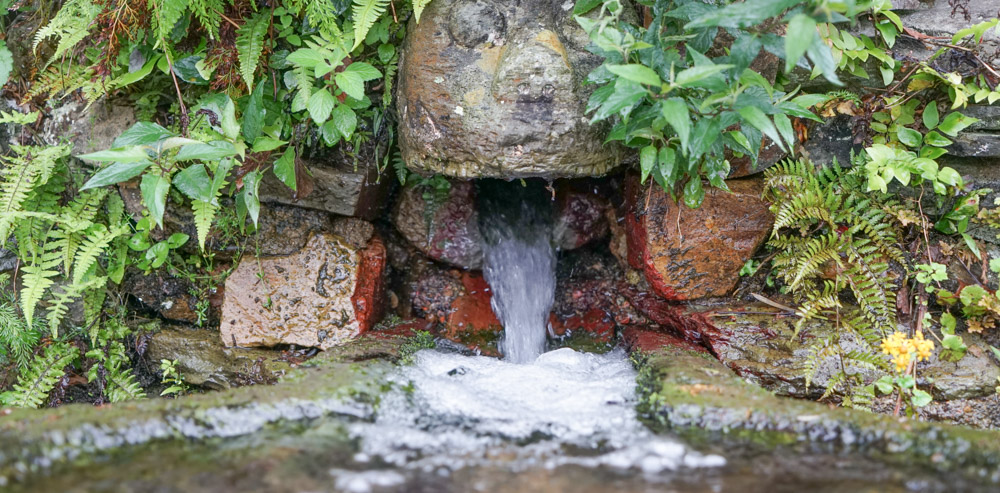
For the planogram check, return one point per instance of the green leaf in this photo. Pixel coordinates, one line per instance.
(921, 398)
(956, 122)
(127, 155)
(996, 352)
(636, 73)
(230, 125)
(212, 151)
(953, 348)
(799, 36)
(693, 193)
(364, 15)
(626, 93)
(930, 116)
(306, 58)
(194, 182)
(668, 165)
(264, 144)
(364, 70)
(910, 137)
(906, 382)
(754, 116)
(320, 105)
(937, 140)
(177, 240)
(695, 74)
(784, 125)
(154, 190)
(647, 161)
(820, 55)
(385, 52)
(884, 384)
(116, 173)
(675, 111)
(251, 184)
(949, 176)
(345, 120)
(250, 44)
(284, 168)
(584, 6)
(351, 83)
(253, 116)
(6, 63)
(995, 265)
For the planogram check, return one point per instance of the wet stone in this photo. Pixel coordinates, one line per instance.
(491, 89)
(204, 361)
(321, 296)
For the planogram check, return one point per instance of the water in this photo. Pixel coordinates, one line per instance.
(519, 262)
(452, 423)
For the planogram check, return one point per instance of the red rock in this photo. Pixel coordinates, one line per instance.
(580, 214)
(643, 339)
(694, 253)
(446, 231)
(323, 295)
(404, 329)
(471, 311)
(596, 322)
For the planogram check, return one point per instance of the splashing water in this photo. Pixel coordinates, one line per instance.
(565, 409)
(519, 262)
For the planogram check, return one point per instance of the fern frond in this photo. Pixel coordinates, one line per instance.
(167, 13)
(208, 13)
(418, 8)
(40, 377)
(364, 14)
(250, 44)
(70, 26)
(37, 279)
(204, 213)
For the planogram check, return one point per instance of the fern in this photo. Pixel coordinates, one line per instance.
(17, 339)
(364, 14)
(208, 13)
(22, 173)
(39, 378)
(37, 279)
(418, 8)
(250, 44)
(167, 13)
(111, 370)
(70, 26)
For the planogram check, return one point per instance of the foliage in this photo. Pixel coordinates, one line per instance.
(420, 340)
(38, 378)
(173, 379)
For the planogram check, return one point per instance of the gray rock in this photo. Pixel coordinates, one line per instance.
(89, 129)
(492, 89)
(339, 187)
(204, 361)
(975, 375)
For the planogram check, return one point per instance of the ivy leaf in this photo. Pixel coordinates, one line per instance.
(194, 182)
(909, 137)
(345, 120)
(798, 38)
(253, 116)
(675, 111)
(636, 73)
(364, 70)
(754, 116)
(250, 44)
(955, 123)
(921, 398)
(116, 173)
(284, 168)
(937, 140)
(351, 83)
(154, 190)
(177, 240)
(930, 116)
(320, 105)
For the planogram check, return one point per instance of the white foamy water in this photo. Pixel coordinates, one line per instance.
(451, 411)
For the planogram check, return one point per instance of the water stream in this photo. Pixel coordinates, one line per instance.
(519, 262)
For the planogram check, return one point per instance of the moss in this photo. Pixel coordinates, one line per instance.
(684, 392)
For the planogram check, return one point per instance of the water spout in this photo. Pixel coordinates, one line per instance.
(515, 219)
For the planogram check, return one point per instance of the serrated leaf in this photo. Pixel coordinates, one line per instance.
(284, 168)
(250, 44)
(142, 133)
(154, 190)
(212, 151)
(320, 105)
(194, 182)
(345, 120)
(351, 83)
(637, 73)
(364, 14)
(364, 70)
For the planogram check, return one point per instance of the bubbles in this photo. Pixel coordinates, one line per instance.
(567, 408)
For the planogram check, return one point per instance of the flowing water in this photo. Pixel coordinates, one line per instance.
(453, 423)
(519, 262)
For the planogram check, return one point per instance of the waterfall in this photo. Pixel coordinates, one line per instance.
(515, 219)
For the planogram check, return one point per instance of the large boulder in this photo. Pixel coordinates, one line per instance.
(325, 294)
(694, 253)
(492, 89)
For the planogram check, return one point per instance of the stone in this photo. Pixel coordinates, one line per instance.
(339, 186)
(580, 217)
(90, 129)
(173, 298)
(448, 230)
(642, 339)
(694, 253)
(324, 295)
(204, 361)
(492, 89)
(975, 375)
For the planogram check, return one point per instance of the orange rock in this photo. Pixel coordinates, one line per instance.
(694, 253)
(321, 296)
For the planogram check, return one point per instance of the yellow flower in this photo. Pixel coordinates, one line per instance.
(901, 362)
(922, 346)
